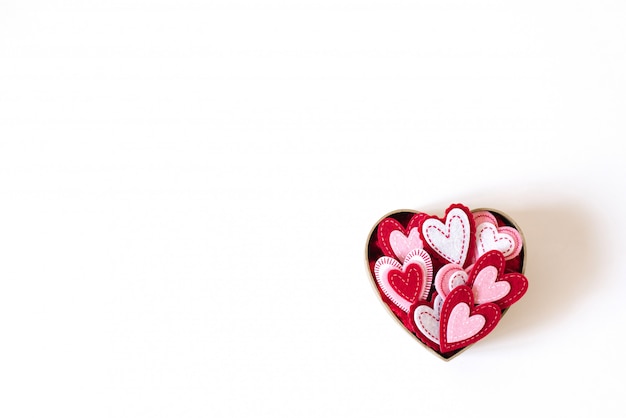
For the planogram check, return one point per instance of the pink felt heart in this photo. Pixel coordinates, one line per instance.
(402, 245)
(489, 283)
(485, 287)
(462, 323)
(483, 216)
(452, 237)
(448, 277)
(397, 241)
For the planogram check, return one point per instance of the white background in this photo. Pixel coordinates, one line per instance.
(186, 188)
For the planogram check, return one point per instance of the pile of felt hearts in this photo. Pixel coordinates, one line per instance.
(448, 280)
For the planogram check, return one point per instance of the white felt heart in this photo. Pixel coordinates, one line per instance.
(505, 239)
(402, 244)
(450, 240)
(427, 319)
(485, 287)
(461, 325)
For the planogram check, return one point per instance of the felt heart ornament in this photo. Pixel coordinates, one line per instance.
(449, 238)
(396, 240)
(486, 288)
(482, 216)
(462, 323)
(491, 236)
(417, 261)
(448, 277)
(405, 284)
(425, 320)
(489, 283)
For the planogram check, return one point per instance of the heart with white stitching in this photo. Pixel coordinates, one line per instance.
(406, 283)
(491, 236)
(447, 279)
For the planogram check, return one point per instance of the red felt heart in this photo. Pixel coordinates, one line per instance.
(517, 282)
(462, 323)
(407, 283)
(397, 281)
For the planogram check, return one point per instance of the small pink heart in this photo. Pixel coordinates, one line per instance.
(448, 277)
(483, 216)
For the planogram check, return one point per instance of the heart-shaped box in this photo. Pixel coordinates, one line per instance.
(447, 281)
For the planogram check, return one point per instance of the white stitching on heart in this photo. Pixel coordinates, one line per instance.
(455, 214)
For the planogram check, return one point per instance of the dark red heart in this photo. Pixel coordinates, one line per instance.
(407, 283)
